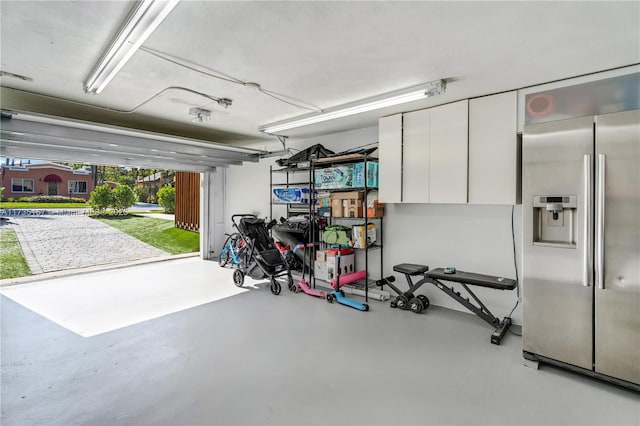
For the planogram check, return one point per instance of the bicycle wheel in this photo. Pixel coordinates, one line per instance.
(238, 249)
(225, 254)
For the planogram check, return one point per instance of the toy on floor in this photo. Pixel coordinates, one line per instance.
(303, 284)
(338, 295)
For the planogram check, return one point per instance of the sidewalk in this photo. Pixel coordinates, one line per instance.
(54, 243)
(157, 215)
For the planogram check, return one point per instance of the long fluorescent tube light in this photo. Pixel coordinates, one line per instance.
(395, 98)
(141, 22)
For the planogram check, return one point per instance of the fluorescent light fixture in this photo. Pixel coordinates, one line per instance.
(389, 99)
(141, 22)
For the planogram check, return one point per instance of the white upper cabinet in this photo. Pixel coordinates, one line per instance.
(390, 159)
(448, 153)
(415, 164)
(423, 155)
(493, 149)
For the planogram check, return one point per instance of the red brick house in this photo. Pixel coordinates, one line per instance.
(45, 179)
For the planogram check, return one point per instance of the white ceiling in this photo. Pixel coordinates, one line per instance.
(321, 53)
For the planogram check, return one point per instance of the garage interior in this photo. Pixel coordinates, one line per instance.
(201, 90)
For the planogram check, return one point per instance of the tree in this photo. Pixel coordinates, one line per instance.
(123, 198)
(167, 198)
(101, 199)
(127, 180)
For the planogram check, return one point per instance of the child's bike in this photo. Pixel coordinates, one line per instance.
(232, 250)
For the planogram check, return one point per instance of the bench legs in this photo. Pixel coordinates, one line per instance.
(501, 327)
(406, 300)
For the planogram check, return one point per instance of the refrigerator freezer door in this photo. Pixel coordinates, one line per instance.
(557, 266)
(617, 261)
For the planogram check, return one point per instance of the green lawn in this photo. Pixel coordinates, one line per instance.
(21, 205)
(12, 262)
(160, 233)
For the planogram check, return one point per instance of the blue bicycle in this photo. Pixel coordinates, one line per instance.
(232, 251)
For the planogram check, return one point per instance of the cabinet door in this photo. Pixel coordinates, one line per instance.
(390, 159)
(493, 149)
(448, 153)
(415, 157)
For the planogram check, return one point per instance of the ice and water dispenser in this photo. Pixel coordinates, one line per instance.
(554, 220)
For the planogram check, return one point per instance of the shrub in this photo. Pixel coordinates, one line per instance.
(123, 198)
(167, 198)
(53, 199)
(101, 199)
(143, 193)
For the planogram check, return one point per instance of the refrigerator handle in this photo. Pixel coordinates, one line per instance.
(587, 227)
(599, 257)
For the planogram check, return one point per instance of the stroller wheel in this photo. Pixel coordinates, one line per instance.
(424, 299)
(275, 287)
(238, 277)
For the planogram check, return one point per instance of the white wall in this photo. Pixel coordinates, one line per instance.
(470, 237)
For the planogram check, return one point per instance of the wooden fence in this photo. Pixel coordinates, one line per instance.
(188, 201)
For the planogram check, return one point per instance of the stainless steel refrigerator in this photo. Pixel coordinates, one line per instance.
(581, 245)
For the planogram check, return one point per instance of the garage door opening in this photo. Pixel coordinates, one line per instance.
(199, 185)
(47, 231)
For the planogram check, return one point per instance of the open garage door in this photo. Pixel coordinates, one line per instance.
(55, 139)
(51, 138)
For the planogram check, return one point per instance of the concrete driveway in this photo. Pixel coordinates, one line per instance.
(55, 243)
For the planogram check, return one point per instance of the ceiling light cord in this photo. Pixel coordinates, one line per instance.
(230, 79)
(225, 102)
(186, 64)
(277, 97)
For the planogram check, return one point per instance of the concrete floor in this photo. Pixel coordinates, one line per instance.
(255, 358)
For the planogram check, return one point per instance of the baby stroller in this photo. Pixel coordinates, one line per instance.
(260, 258)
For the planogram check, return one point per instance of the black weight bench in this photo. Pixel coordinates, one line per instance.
(465, 279)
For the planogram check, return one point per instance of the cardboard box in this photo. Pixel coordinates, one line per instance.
(347, 176)
(334, 177)
(320, 270)
(356, 195)
(355, 208)
(376, 211)
(352, 203)
(324, 199)
(362, 238)
(337, 209)
(347, 265)
(321, 255)
(371, 175)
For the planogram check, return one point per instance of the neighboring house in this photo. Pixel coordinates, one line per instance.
(45, 179)
(156, 181)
